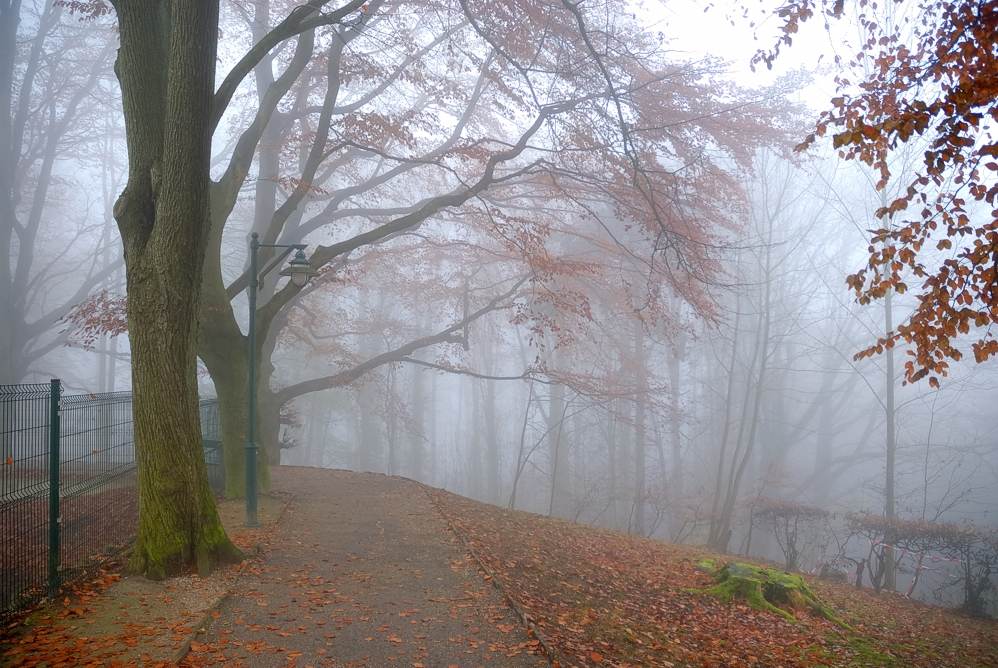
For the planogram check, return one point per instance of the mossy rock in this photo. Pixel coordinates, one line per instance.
(768, 589)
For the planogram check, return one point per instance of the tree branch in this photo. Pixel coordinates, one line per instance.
(447, 335)
(304, 17)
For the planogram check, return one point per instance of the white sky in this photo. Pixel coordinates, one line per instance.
(694, 33)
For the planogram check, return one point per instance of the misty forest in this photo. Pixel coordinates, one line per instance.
(499, 332)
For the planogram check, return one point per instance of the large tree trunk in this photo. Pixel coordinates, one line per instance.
(225, 358)
(268, 429)
(166, 66)
(223, 348)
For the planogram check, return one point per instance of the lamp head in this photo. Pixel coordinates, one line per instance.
(299, 269)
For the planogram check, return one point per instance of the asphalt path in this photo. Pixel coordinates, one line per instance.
(363, 571)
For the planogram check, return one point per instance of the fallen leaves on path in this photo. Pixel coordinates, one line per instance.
(93, 622)
(364, 573)
(47, 638)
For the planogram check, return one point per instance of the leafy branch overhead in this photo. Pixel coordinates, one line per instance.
(928, 78)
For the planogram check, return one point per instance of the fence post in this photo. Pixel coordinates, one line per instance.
(54, 519)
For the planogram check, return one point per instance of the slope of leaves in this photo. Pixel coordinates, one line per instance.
(603, 598)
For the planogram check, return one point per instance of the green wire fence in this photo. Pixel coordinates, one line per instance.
(68, 489)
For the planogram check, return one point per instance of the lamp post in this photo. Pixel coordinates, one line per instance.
(299, 269)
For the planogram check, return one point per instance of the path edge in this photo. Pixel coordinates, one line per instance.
(207, 620)
(493, 578)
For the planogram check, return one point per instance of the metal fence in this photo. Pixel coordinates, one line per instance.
(211, 440)
(68, 488)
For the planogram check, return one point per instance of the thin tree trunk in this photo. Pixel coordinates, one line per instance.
(756, 388)
(890, 574)
(714, 537)
(491, 443)
(556, 453)
(611, 459)
(474, 441)
(391, 423)
(675, 423)
(556, 413)
(721, 526)
(417, 436)
(431, 435)
(640, 437)
(520, 461)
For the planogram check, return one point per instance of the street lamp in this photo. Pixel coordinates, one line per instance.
(299, 270)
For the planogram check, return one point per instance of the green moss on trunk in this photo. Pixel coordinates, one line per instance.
(166, 67)
(768, 589)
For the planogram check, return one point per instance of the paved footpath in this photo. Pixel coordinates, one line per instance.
(363, 571)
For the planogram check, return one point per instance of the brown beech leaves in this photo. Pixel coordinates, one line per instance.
(928, 77)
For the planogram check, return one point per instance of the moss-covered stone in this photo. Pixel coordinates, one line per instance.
(768, 589)
(707, 566)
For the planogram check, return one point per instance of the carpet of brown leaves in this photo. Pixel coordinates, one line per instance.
(602, 598)
(111, 619)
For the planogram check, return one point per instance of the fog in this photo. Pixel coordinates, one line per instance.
(534, 345)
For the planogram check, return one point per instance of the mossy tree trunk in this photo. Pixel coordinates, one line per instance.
(225, 359)
(222, 348)
(166, 66)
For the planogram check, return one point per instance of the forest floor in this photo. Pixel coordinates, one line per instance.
(600, 598)
(354, 569)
